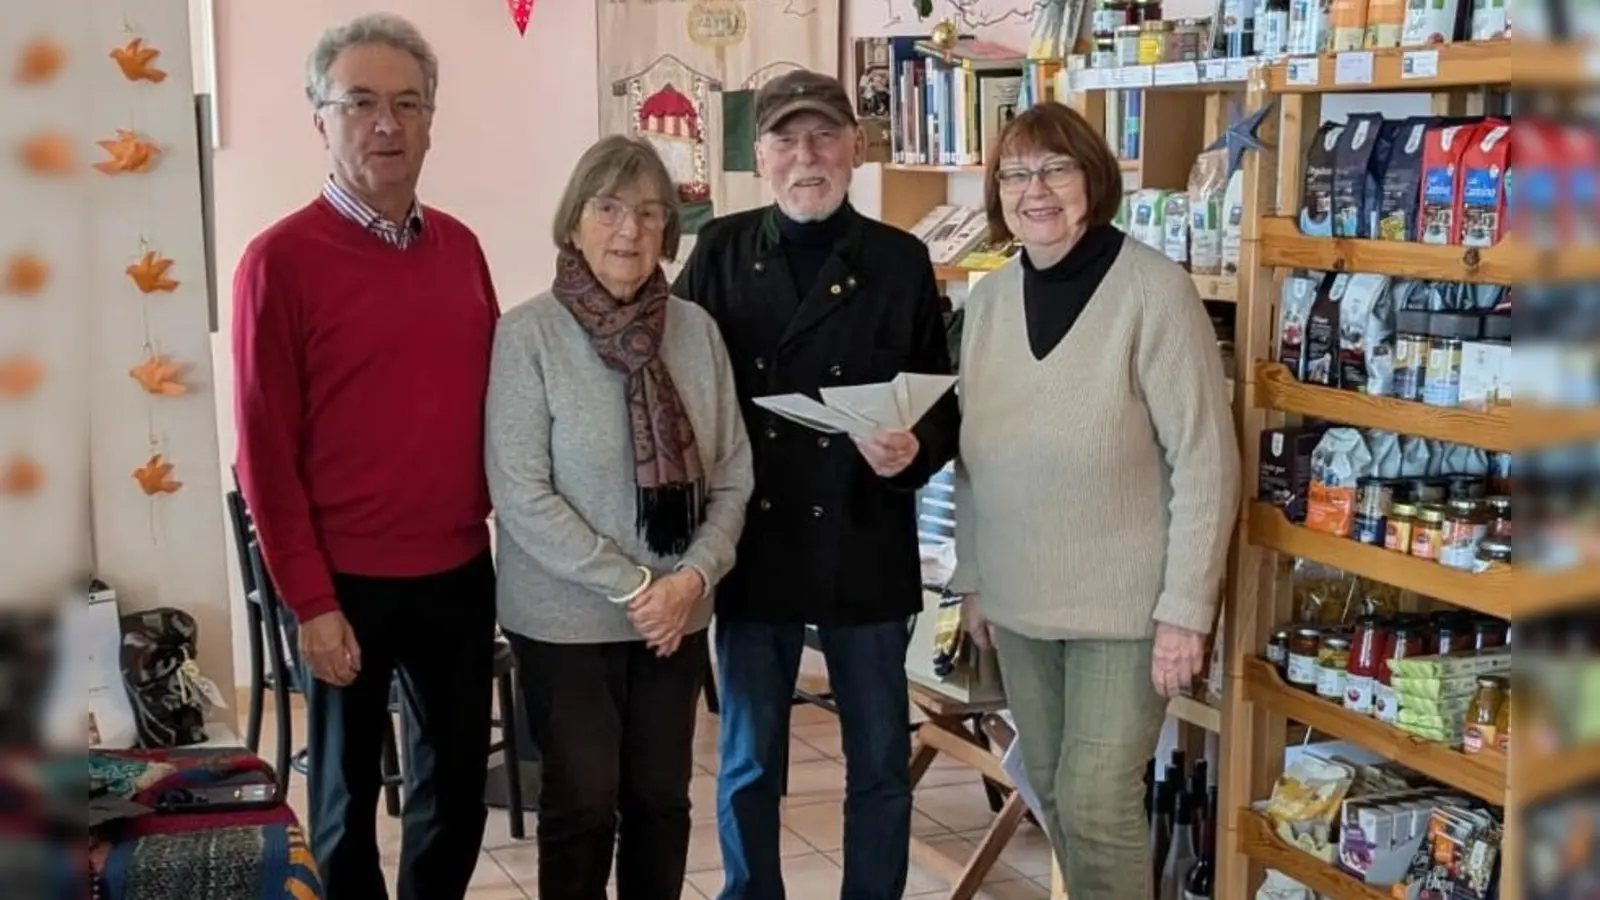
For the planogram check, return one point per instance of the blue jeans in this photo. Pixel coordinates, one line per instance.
(758, 663)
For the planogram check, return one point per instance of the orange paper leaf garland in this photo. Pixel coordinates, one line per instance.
(41, 61)
(159, 375)
(25, 275)
(20, 476)
(135, 59)
(50, 153)
(128, 153)
(150, 273)
(154, 477)
(19, 377)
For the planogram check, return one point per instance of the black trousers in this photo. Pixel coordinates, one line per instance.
(438, 632)
(615, 724)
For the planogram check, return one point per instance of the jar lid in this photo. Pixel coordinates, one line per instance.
(1491, 681)
(1128, 29)
(1430, 512)
(1494, 550)
(1333, 642)
(1157, 25)
(1308, 631)
(1403, 509)
(1463, 506)
(1499, 502)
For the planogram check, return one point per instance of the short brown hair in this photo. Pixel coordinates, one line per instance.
(1051, 127)
(613, 162)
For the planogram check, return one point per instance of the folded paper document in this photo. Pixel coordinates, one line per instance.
(862, 410)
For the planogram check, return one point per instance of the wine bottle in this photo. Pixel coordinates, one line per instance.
(1198, 883)
(1182, 853)
(1160, 833)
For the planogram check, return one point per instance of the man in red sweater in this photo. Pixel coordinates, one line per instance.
(362, 331)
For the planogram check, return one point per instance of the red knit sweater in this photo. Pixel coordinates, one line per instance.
(359, 379)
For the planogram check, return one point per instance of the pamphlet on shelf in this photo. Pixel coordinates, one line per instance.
(1178, 73)
(1214, 70)
(1304, 70)
(1420, 64)
(1239, 68)
(862, 410)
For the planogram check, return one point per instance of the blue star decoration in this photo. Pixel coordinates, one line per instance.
(1243, 135)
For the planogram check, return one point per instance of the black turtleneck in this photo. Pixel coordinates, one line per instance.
(807, 246)
(1053, 297)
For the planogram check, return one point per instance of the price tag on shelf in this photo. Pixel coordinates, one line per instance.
(1353, 68)
(1133, 77)
(1239, 69)
(1420, 64)
(1214, 70)
(1178, 73)
(1303, 71)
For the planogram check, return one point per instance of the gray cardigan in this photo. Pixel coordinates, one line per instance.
(560, 464)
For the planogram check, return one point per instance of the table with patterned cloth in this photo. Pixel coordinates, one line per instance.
(246, 854)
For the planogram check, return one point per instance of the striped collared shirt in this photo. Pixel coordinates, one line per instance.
(360, 213)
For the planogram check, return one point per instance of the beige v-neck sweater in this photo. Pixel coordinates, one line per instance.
(1097, 488)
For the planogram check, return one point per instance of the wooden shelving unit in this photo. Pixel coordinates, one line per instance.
(1459, 78)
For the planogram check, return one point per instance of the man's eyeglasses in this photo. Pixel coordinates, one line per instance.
(651, 214)
(1056, 173)
(361, 106)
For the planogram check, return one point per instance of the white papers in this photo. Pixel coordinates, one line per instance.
(862, 410)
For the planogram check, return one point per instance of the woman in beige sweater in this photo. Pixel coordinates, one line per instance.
(1096, 489)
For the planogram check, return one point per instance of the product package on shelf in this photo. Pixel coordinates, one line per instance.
(1434, 180)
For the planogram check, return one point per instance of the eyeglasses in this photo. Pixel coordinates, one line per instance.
(652, 215)
(1055, 174)
(364, 107)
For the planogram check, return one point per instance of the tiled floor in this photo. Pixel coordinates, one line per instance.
(952, 812)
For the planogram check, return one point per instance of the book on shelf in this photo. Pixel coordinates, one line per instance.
(873, 85)
(951, 232)
(945, 113)
(971, 53)
(989, 255)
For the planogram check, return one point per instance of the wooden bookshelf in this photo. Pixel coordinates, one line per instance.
(1277, 389)
(1221, 288)
(1482, 775)
(1508, 262)
(1408, 69)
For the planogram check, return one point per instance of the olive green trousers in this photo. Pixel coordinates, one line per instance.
(1088, 719)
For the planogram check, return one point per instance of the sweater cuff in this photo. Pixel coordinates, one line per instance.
(964, 580)
(1186, 612)
(307, 610)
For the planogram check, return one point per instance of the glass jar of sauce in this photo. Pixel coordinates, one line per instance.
(1405, 641)
(1502, 725)
(1367, 651)
(1489, 633)
(1127, 40)
(1302, 664)
(1483, 711)
(1333, 659)
(1499, 517)
(1372, 508)
(1464, 527)
(1428, 533)
(1187, 42)
(1397, 526)
(1494, 550)
(1154, 34)
(1278, 652)
(1452, 633)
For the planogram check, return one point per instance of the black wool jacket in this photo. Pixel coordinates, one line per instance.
(826, 541)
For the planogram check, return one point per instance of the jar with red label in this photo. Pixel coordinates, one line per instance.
(1488, 633)
(1405, 640)
(1452, 633)
(1368, 646)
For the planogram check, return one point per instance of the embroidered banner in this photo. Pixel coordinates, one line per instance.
(683, 74)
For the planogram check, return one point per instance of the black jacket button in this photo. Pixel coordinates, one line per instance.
(816, 512)
(765, 504)
(761, 363)
(836, 371)
(823, 442)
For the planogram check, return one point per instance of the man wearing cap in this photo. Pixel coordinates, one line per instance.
(811, 294)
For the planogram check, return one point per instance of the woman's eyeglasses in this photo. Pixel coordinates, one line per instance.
(651, 214)
(1055, 174)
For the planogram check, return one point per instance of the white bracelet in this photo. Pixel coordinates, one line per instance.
(645, 585)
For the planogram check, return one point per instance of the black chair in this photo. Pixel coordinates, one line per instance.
(274, 636)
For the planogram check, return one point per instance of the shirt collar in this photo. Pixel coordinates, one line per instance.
(360, 212)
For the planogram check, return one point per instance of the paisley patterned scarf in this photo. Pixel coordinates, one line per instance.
(627, 335)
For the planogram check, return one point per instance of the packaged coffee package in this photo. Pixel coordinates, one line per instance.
(1175, 228)
(1322, 332)
(1316, 198)
(1366, 335)
(1359, 148)
(1299, 292)
(1483, 177)
(1438, 221)
(1339, 461)
(1208, 183)
(1401, 187)
(1232, 223)
(1283, 476)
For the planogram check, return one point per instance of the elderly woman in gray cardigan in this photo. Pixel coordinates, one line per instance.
(620, 470)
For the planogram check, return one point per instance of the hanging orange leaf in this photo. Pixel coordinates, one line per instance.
(41, 61)
(20, 476)
(19, 377)
(50, 153)
(135, 59)
(129, 153)
(159, 375)
(150, 273)
(154, 477)
(25, 274)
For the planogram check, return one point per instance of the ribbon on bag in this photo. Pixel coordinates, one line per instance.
(521, 11)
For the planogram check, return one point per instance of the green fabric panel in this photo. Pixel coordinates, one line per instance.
(739, 131)
(696, 216)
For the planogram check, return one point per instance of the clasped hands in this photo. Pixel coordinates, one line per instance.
(889, 452)
(662, 610)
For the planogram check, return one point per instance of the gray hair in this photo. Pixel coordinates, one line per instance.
(614, 162)
(373, 28)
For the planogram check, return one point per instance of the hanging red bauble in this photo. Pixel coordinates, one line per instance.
(520, 11)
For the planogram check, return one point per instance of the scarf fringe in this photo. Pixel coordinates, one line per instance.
(669, 515)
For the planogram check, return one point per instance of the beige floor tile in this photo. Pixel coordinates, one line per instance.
(959, 807)
(1028, 851)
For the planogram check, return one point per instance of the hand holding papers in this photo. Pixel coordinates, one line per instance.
(863, 410)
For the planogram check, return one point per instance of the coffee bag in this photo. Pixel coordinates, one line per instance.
(1316, 197)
